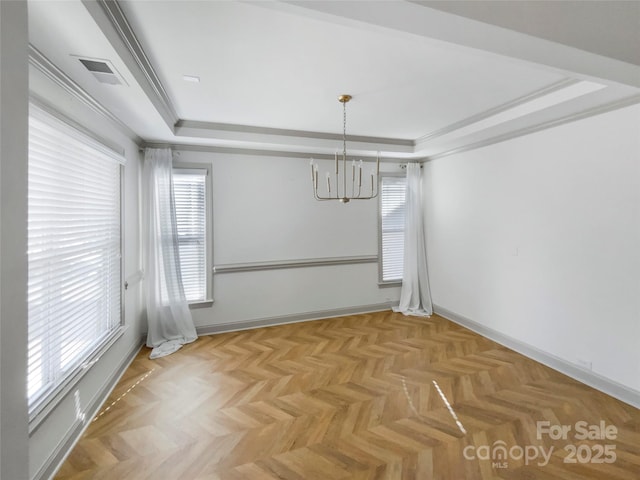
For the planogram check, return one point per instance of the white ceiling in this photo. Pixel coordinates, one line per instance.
(609, 28)
(424, 81)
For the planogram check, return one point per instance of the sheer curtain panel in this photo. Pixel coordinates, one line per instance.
(168, 316)
(415, 297)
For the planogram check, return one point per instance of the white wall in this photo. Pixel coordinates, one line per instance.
(62, 423)
(264, 210)
(538, 238)
(13, 234)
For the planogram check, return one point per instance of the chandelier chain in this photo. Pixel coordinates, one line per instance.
(344, 147)
(344, 129)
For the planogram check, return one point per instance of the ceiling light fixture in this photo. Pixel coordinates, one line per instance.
(356, 192)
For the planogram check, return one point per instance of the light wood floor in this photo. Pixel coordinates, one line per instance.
(355, 397)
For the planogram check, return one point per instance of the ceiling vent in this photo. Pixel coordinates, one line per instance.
(103, 70)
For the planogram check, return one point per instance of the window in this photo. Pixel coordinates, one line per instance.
(74, 253)
(190, 194)
(392, 210)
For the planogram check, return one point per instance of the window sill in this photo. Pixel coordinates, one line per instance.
(397, 283)
(202, 304)
(42, 409)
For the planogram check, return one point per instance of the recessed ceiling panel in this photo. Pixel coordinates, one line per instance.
(269, 68)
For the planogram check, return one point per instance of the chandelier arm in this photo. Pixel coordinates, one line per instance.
(315, 178)
(320, 197)
(337, 177)
(363, 198)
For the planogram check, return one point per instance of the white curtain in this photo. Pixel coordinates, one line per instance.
(415, 297)
(168, 316)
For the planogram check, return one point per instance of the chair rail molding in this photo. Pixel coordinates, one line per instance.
(298, 263)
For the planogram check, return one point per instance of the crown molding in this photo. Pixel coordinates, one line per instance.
(628, 101)
(141, 66)
(607, 107)
(246, 136)
(280, 132)
(57, 76)
(190, 147)
(554, 87)
(261, 152)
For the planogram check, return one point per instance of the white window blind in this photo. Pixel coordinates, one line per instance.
(73, 252)
(392, 211)
(189, 190)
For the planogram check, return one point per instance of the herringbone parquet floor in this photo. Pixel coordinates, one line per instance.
(357, 397)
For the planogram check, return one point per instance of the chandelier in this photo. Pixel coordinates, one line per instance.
(352, 188)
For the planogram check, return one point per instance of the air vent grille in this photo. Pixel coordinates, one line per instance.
(102, 70)
(95, 66)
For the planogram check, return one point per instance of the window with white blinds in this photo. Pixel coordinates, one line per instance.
(190, 194)
(392, 211)
(74, 252)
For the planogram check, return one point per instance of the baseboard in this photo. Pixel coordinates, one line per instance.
(610, 387)
(292, 318)
(66, 444)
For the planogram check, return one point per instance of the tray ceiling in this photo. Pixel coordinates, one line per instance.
(425, 82)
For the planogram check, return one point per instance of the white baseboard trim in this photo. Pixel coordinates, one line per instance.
(292, 318)
(610, 387)
(66, 444)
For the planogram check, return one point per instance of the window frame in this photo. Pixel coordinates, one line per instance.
(381, 282)
(192, 166)
(40, 410)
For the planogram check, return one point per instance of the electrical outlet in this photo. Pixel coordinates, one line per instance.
(586, 364)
